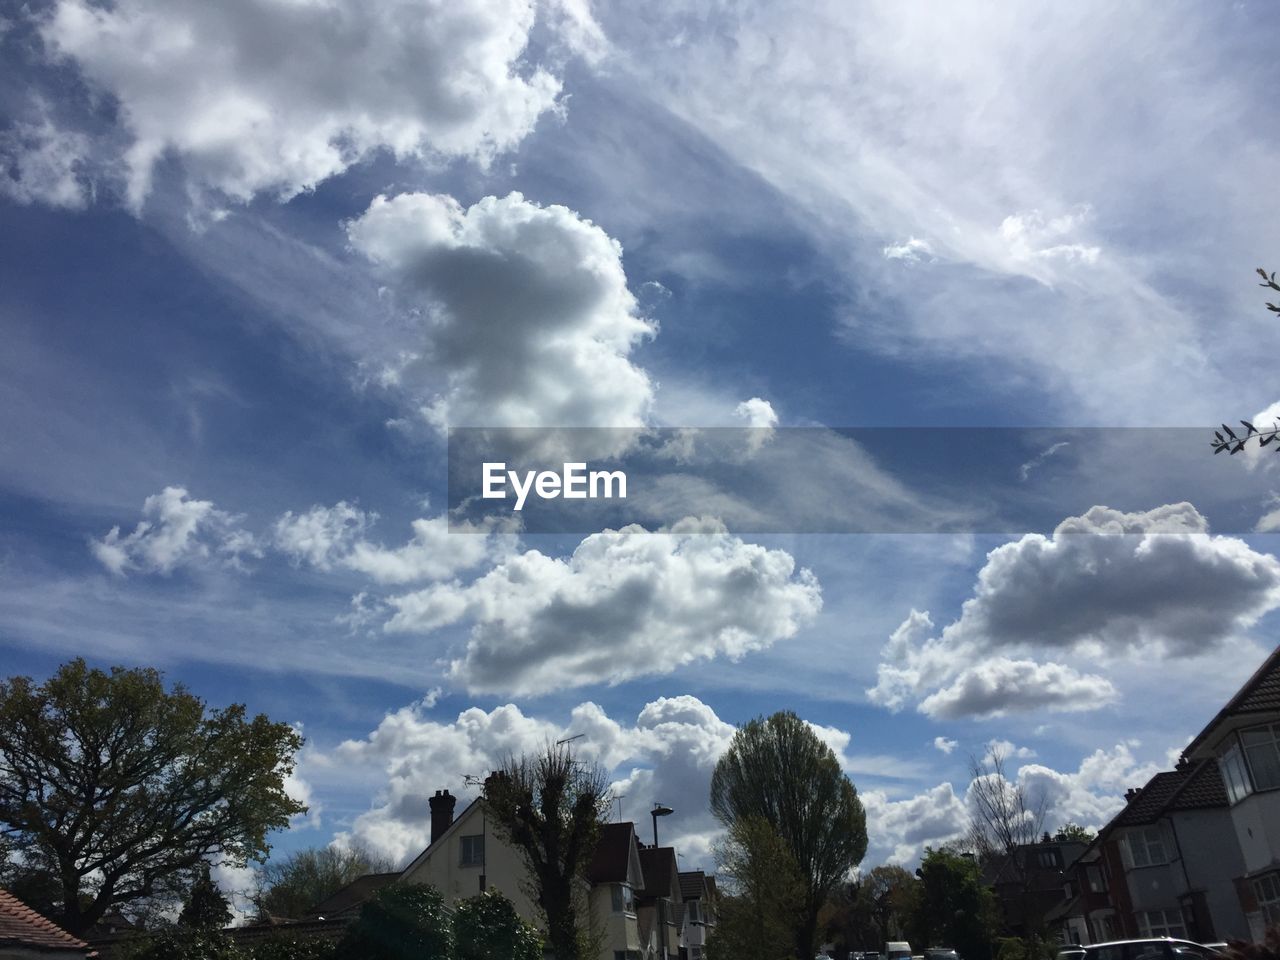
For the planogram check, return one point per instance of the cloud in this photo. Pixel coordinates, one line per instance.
(1103, 586)
(758, 413)
(175, 531)
(625, 604)
(526, 319)
(40, 163)
(900, 829)
(944, 744)
(322, 534)
(1026, 469)
(1032, 236)
(910, 250)
(277, 97)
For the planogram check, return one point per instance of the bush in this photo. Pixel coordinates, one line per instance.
(487, 927)
(179, 943)
(400, 922)
(284, 947)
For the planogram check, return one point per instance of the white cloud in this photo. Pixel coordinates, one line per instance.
(526, 319)
(910, 250)
(1031, 236)
(758, 413)
(40, 163)
(175, 531)
(1103, 586)
(322, 534)
(945, 744)
(625, 604)
(264, 96)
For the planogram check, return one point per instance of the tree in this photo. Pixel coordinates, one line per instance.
(952, 906)
(1226, 438)
(122, 789)
(764, 894)
(487, 927)
(1073, 831)
(291, 887)
(205, 908)
(402, 921)
(550, 807)
(777, 769)
(179, 943)
(885, 895)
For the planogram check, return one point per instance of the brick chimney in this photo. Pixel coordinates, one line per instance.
(441, 813)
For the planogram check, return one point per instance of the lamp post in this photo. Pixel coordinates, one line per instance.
(658, 811)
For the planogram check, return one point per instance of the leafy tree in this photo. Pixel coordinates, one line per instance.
(550, 807)
(205, 907)
(282, 946)
(764, 894)
(122, 789)
(487, 927)
(882, 900)
(1073, 831)
(778, 769)
(952, 906)
(179, 943)
(291, 887)
(1226, 438)
(402, 921)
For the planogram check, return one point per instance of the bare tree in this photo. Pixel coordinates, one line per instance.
(1004, 816)
(550, 807)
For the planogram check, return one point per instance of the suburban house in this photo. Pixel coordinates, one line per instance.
(1029, 881)
(1244, 741)
(697, 912)
(658, 905)
(26, 935)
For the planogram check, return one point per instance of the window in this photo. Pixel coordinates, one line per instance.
(691, 912)
(1162, 923)
(1234, 775)
(1267, 892)
(623, 901)
(1262, 747)
(1097, 879)
(473, 850)
(1050, 859)
(1146, 847)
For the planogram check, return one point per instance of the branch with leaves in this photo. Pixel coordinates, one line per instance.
(1226, 438)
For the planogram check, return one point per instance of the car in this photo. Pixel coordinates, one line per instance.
(940, 953)
(1152, 948)
(897, 950)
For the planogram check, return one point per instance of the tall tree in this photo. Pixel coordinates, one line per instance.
(487, 927)
(205, 907)
(763, 897)
(952, 906)
(122, 789)
(292, 886)
(777, 769)
(550, 807)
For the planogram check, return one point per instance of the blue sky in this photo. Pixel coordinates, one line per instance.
(256, 257)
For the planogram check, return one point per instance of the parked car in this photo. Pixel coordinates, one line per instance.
(940, 953)
(1155, 948)
(897, 950)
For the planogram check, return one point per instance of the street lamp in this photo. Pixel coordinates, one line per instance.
(658, 811)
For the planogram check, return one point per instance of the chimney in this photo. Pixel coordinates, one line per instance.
(1131, 793)
(441, 813)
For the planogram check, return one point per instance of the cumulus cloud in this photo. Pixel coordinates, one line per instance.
(945, 744)
(262, 96)
(625, 604)
(336, 536)
(526, 318)
(39, 163)
(760, 418)
(900, 829)
(1104, 585)
(175, 531)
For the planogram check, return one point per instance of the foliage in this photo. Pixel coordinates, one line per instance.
(1226, 438)
(121, 789)
(179, 943)
(1269, 949)
(1073, 831)
(777, 769)
(487, 927)
(293, 886)
(550, 807)
(205, 907)
(1026, 948)
(284, 947)
(872, 909)
(764, 894)
(402, 921)
(952, 906)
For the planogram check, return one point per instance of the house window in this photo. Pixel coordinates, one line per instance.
(1262, 747)
(691, 912)
(1162, 923)
(1049, 859)
(1097, 879)
(1146, 847)
(473, 851)
(1267, 892)
(623, 901)
(1234, 774)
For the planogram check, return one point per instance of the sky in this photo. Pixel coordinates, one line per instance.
(258, 257)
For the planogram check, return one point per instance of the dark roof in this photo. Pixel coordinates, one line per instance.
(1194, 786)
(658, 864)
(20, 926)
(1260, 694)
(693, 884)
(352, 895)
(612, 857)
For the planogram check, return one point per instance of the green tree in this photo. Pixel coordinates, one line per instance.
(763, 897)
(205, 907)
(179, 943)
(952, 906)
(487, 927)
(402, 921)
(778, 769)
(292, 886)
(122, 789)
(282, 946)
(550, 807)
(1073, 831)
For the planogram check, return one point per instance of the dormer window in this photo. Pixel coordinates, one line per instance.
(1234, 773)
(623, 898)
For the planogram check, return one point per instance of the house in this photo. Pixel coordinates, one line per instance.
(26, 935)
(697, 913)
(1168, 861)
(1029, 881)
(1244, 742)
(659, 902)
